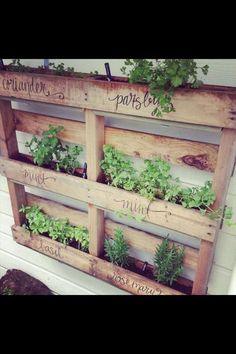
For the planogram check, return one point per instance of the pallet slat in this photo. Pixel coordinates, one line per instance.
(124, 279)
(202, 156)
(211, 107)
(158, 212)
(135, 238)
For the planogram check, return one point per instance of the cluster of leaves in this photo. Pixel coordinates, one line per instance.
(16, 66)
(117, 250)
(118, 169)
(155, 181)
(163, 77)
(7, 291)
(50, 148)
(60, 68)
(58, 229)
(168, 262)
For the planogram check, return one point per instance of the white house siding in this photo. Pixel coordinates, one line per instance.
(63, 279)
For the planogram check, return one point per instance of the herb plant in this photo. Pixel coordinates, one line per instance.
(58, 229)
(118, 169)
(163, 77)
(156, 182)
(168, 262)
(50, 151)
(117, 249)
(7, 291)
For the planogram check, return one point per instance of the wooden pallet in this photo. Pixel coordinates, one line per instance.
(211, 106)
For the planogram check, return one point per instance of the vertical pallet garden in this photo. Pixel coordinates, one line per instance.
(207, 106)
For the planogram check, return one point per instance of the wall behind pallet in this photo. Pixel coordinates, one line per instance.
(63, 279)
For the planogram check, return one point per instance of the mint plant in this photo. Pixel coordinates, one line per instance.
(118, 169)
(117, 250)
(163, 77)
(168, 262)
(58, 229)
(50, 151)
(156, 182)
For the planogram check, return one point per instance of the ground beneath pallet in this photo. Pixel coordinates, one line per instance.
(16, 282)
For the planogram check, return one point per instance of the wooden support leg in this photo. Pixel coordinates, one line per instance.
(9, 148)
(223, 172)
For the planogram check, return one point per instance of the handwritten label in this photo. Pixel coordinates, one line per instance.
(51, 250)
(39, 178)
(30, 86)
(135, 101)
(140, 288)
(132, 206)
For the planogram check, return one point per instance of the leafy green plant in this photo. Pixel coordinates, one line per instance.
(168, 262)
(58, 229)
(60, 68)
(163, 77)
(49, 149)
(118, 169)
(69, 162)
(7, 291)
(16, 66)
(117, 249)
(156, 182)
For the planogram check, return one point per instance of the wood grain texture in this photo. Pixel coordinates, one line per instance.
(224, 167)
(36, 124)
(211, 106)
(94, 154)
(140, 240)
(122, 278)
(9, 148)
(147, 242)
(184, 152)
(159, 212)
(202, 156)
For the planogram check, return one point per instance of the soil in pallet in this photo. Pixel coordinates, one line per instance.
(16, 282)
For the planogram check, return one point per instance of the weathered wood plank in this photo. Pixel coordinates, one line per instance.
(94, 153)
(158, 212)
(58, 210)
(122, 278)
(147, 242)
(9, 148)
(135, 238)
(211, 107)
(224, 168)
(36, 124)
(203, 156)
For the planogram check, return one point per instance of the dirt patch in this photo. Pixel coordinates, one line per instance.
(16, 282)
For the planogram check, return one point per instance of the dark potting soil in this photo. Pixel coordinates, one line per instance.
(143, 268)
(16, 282)
(29, 159)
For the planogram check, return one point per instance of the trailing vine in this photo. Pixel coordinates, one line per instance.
(163, 77)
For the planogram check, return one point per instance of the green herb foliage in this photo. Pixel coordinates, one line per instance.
(7, 291)
(163, 77)
(58, 229)
(50, 148)
(118, 169)
(117, 249)
(156, 182)
(168, 262)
